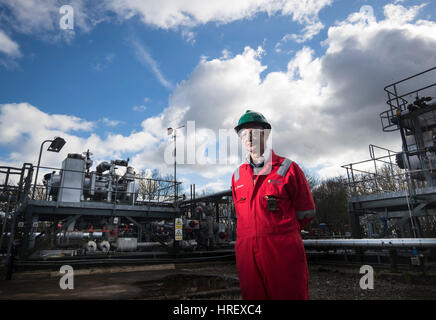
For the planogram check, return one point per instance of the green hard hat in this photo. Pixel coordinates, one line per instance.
(252, 117)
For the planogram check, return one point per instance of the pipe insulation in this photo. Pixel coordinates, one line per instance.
(372, 243)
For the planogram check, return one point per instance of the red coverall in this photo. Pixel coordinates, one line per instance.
(270, 255)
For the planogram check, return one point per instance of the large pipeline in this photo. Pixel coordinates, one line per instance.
(217, 195)
(372, 243)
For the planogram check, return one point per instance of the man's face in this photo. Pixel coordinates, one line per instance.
(253, 137)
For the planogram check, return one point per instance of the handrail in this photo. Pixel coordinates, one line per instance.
(418, 74)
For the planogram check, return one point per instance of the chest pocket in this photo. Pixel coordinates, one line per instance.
(275, 198)
(241, 195)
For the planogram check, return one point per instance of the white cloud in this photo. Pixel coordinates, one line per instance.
(146, 59)
(169, 14)
(186, 14)
(308, 33)
(211, 187)
(110, 123)
(18, 119)
(29, 16)
(41, 17)
(108, 60)
(8, 46)
(226, 54)
(324, 110)
(189, 36)
(399, 14)
(140, 108)
(24, 127)
(110, 57)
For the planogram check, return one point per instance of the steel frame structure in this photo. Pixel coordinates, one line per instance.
(23, 211)
(412, 197)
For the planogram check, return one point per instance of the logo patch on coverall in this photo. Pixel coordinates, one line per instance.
(276, 182)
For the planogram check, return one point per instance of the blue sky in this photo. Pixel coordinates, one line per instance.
(128, 69)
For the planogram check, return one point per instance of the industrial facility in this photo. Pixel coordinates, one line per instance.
(76, 215)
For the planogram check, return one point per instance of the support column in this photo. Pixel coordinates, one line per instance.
(138, 225)
(5, 222)
(217, 212)
(33, 229)
(394, 259)
(27, 228)
(356, 229)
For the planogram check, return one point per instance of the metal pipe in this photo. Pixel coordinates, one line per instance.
(372, 243)
(80, 235)
(217, 195)
(150, 244)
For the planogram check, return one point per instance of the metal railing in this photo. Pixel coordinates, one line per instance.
(378, 174)
(397, 101)
(146, 191)
(12, 181)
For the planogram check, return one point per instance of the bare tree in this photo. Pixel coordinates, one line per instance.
(153, 186)
(312, 179)
(386, 179)
(331, 202)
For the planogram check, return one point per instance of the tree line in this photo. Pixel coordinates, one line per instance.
(331, 197)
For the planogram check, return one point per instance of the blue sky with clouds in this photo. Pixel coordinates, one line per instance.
(128, 70)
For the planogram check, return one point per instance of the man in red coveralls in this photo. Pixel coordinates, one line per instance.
(273, 203)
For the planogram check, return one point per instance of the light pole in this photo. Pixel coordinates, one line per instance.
(56, 145)
(170, 130)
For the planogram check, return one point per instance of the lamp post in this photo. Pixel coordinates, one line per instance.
(56, 145)
(170, 130)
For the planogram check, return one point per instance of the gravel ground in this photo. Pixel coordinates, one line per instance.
(325, 283)
(337, 283)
